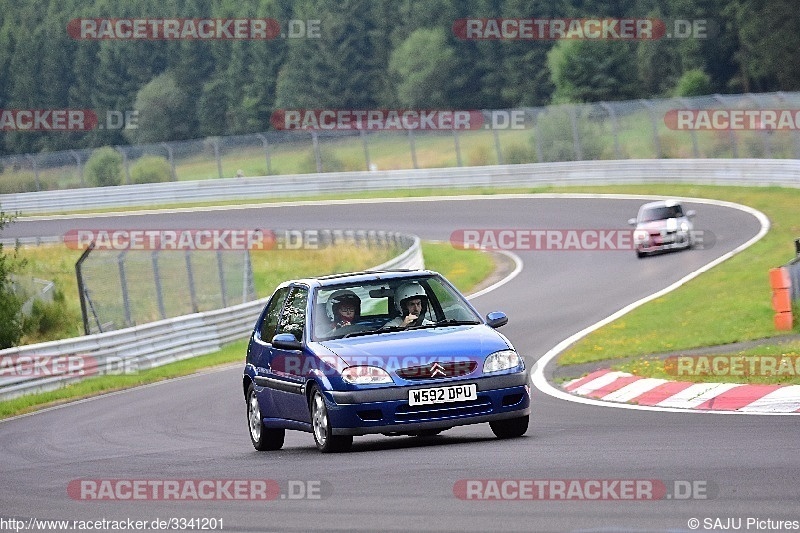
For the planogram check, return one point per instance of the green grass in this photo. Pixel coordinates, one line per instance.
(729, 303)
(464, 268)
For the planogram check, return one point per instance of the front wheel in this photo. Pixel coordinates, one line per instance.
(262, 437)
(510, 428)
(324, 438)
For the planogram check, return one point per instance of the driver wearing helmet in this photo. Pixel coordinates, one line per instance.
(343, 308)
(412, 302)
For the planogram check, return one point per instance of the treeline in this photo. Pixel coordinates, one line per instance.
(368, 54)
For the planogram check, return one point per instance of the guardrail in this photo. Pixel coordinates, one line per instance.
(780, 172)
(50, 365)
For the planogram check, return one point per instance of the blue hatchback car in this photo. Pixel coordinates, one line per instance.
(394, 352)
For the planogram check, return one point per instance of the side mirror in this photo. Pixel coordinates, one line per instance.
(286, 341)
(495, 319)
(631, 221)
(690, 213)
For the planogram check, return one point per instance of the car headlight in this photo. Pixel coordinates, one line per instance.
(502, 360)
(684, 227)
(641, 235)
(366, 375)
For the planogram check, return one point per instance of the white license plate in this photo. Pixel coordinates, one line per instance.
(455, 393)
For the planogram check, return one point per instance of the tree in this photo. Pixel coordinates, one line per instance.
(165, 112)
(337, 69)
(423, 69)
(769, 37)
(10, 303)
(592, 71)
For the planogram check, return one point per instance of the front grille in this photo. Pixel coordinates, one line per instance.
(406, 413)
(438, 370)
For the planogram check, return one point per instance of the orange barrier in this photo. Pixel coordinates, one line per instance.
(781, 298)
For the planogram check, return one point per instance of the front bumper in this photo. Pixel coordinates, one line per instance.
(673, 241)
(386, 410)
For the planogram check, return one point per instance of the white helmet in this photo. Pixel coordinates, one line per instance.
(407, 291)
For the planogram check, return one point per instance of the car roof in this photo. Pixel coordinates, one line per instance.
(360, 277)
(660, 203)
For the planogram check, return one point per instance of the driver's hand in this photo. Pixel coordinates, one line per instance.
(409, 319)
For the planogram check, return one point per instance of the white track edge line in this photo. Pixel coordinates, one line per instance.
(537, 375)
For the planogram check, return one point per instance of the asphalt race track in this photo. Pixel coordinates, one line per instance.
(194, 428)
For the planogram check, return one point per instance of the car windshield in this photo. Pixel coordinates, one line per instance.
(661, 213)
(371, 307)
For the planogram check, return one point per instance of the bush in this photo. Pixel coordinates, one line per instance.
(330, 163)
(49, 320)
(557, 141)
(479, 156)
(517, 154)
(151, 169)
(104, 167)
(693, 82)
(18, 182)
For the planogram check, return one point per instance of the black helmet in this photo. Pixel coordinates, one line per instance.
(338, 298)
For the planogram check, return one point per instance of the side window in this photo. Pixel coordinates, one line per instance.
(270, 322)
(293, 318)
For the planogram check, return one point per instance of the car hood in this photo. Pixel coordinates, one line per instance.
(670, 224)
(419, 347)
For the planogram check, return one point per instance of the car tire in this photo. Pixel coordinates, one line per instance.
(510, 428)
(321, 428)
(263, 438)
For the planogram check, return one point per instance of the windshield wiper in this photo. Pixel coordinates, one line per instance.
(447, 322)
(372, 331)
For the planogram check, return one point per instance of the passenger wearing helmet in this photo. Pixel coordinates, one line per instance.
(343, 308)
(412, 302)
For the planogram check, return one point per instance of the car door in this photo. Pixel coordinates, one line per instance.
(259, 352)
(288, 367)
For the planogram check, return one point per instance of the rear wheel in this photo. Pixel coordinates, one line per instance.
(324, 438)
(510, 428)
(263, 438)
